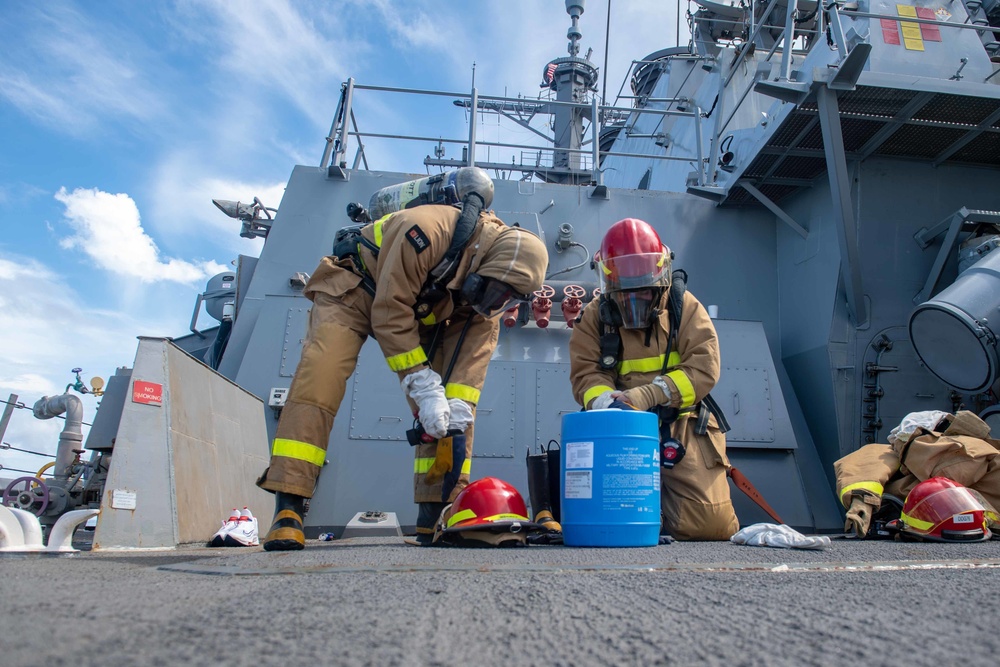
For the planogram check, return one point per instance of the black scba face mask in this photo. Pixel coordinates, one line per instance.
(488, 296)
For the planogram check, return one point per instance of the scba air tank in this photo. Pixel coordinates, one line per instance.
(447, 188)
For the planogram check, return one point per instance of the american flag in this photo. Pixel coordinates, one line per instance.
(550, 73)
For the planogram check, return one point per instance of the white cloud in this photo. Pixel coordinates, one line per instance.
(273, 47)
(49, 333)
(182, 184)
(413, 28)
(73, 74)
(109, 231)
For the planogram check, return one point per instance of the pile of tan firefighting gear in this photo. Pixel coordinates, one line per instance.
(937, 479)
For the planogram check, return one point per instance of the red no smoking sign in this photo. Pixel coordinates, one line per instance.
(147, 392)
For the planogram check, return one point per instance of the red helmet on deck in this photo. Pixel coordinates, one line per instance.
(943, 510)
(488, 512)
(634, 267)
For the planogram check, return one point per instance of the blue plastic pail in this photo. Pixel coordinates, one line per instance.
(610, 470)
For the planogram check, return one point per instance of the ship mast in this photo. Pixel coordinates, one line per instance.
(570, 78)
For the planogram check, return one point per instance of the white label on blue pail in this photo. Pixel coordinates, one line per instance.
(579, 484)
(579, 455)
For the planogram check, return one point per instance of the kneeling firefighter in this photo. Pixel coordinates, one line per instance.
(428, 280)
(649, 344)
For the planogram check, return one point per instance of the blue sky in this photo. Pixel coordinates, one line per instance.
(121, 120)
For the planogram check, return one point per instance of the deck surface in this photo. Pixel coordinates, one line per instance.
(377, 601)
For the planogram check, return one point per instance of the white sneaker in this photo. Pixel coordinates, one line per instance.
(245, 533)
(219, 539)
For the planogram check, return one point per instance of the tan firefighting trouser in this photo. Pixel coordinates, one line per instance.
(338, 327)
(695, 494)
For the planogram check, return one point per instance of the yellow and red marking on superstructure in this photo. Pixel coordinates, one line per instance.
(914, 34)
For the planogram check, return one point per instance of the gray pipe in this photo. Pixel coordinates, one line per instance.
(72, 434)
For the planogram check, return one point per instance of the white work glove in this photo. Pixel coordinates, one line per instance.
(781, 536)
(604, 401)
(927, 419)
(461, 415)
(424, 388)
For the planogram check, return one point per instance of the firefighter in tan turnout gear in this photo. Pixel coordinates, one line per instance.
(626, 352)
(427, 282)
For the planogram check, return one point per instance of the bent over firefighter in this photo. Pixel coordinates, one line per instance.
(428, 282)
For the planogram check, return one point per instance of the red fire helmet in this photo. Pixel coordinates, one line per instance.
(632, 256)
(943, 510)
(634, 267)
(488, 504)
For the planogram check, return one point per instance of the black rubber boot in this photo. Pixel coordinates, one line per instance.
(538, 492)
(427, 516)
(286, 529)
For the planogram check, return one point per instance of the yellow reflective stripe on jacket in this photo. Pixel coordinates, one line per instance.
(871, 487)
(645, 365)
(302, 451)
(400, 362)
(915, 523)
(594, 392)
(648, 364)
(462, 391)
(429, 320)
(377, 229)
(684, 386)
(422, 464)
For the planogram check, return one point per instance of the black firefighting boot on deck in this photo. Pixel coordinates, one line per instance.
(427, 516)
(286, 529)
(541, 502)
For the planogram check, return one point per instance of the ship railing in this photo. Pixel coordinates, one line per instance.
(801, 40)
(828, 19)
(534, 158)
(787, 42)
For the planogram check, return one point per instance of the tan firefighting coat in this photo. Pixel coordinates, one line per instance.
(695, 494)
(962, 452)
(411, 243)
